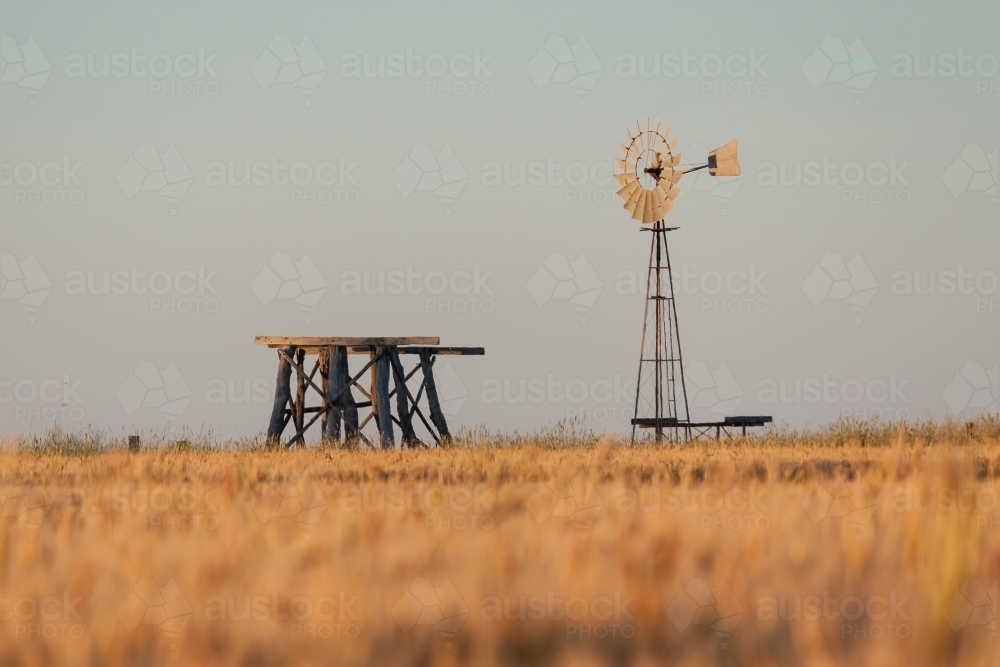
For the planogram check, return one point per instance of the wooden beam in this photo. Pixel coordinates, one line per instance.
(282, 393)
(416, 349)
(456, 351)
(328, 341)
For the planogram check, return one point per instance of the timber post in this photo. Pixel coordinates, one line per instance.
(324, 372)
(282, 395)
(437, 416)
(351, 429)
(299, 415)
(403, 399)
(380, 398)
(335, 382)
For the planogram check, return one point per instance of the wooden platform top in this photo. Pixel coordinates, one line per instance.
(327, 341)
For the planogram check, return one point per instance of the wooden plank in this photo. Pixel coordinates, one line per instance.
(328, 341)
(282, 393)
(412, 349)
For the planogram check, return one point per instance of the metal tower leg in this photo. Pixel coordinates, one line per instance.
(659, 402)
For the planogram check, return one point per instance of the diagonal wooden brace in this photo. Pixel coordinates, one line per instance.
(437, 416)
(327, 404)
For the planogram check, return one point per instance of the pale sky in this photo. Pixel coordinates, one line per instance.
(857, 254)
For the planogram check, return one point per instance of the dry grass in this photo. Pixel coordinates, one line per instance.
(858, 513)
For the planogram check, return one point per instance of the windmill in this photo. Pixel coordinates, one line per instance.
(648, 173)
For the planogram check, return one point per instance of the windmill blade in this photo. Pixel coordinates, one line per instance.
(662, 194)
(660, 144)
(633, 200)
(675, 159)
(640, 207)
(625, 148)
(622, 179)
(625, 192)
(647, 209)
(669, 190)
(671, 145)
(658, 196)
(633, 150)
(662, 191)
(623, 166)
(658, 199)
(666, 205)
(656, 128)
(672, 175)
(633, 208)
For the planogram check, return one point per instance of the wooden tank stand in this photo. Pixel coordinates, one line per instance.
(339, 409)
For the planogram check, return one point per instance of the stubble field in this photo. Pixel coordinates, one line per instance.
(860, 545)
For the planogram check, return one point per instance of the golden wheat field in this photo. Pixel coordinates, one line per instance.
(861, 546)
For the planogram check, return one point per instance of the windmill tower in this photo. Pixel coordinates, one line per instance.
(648, 173)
